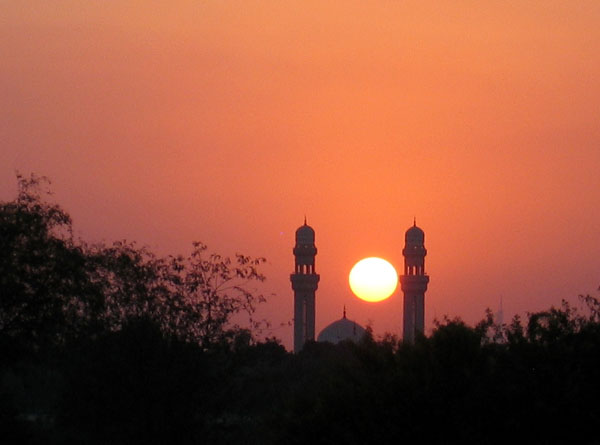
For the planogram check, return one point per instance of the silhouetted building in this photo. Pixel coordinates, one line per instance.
(414, 283)
(304, 282)
(340, 330)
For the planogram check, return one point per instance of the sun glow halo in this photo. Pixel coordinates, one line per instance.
(373, 279)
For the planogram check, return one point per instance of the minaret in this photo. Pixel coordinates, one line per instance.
(304, 282)
(414, 283)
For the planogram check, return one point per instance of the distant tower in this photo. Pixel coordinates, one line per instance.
(304, 282)
(414, 283)
(500, 314)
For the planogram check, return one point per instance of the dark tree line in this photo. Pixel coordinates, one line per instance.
(111, 344)
(55, 288)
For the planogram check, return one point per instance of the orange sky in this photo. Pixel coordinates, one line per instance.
(227, 121)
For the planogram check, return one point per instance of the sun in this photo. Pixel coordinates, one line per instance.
(373, 279)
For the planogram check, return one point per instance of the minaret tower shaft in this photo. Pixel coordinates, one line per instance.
(305, 281)
(414, 283)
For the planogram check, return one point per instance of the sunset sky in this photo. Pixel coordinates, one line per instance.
(229, 121)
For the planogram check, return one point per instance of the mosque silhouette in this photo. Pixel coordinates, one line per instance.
(305, 281)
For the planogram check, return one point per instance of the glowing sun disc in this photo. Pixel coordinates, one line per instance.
(373, 279)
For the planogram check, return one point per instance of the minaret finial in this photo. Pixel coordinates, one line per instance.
(415, 221)
(305, 219)
(344, 311)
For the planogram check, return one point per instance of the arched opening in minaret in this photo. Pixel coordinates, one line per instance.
(305, 269)
(414, 269)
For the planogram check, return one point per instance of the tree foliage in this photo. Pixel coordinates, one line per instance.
(43, 287)
(55, 288)
(205, 291)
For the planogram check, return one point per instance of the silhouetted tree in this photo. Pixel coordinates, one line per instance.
(205, 291)
(58, 293)
(45, 293)
(53, 287)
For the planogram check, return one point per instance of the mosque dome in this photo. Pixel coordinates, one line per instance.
(340, 330)
(305, 234)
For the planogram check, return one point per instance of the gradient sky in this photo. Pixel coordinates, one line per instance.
(228, 121)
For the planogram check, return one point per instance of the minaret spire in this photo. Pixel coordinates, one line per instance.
(305, 281)
(414, 282)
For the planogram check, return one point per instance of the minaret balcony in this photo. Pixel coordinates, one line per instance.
(414, 283)
(307, 282)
